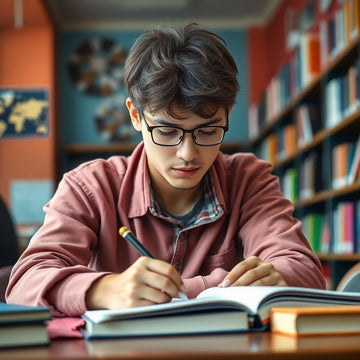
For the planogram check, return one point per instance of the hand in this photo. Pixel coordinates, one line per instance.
(146, 282)
(253, 271)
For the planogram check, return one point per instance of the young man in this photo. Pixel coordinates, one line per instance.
(209, 219)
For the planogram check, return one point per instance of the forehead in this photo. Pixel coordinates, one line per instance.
(180, 115)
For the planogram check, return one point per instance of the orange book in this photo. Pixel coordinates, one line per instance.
(314, 54)
(315, 320)
(290, 139)
(352, 88)
(340, 165)
(355, 17)
(272, 150)
(347, 21)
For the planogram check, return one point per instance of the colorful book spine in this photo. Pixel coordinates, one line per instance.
(344, 228)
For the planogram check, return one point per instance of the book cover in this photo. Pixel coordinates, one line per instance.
(13, 313)
(316, 320)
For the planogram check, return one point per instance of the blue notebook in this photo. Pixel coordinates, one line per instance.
(12, 313)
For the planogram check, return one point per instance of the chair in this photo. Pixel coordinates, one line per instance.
(4, 280)
(9, 247)
(351, 280)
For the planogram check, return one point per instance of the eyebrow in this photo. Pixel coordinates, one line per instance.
(166, 122)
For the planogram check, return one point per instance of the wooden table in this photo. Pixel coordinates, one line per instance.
(265, 346)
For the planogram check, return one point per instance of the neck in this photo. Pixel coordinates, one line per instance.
(178, 201)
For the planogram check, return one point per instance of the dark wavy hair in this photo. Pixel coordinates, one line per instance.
(187, 67)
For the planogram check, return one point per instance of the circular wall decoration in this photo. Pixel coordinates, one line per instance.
(324, 5)
(96, 66)
(112, 120)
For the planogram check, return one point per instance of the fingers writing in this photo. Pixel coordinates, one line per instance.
(146, 282)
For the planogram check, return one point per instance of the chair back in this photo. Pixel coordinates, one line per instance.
(4, 280)
(9, 247)
(351, 280)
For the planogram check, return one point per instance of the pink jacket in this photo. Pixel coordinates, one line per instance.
(79, 239)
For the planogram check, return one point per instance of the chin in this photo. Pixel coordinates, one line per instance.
(184, 185)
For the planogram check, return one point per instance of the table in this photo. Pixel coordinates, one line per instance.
(249, 346)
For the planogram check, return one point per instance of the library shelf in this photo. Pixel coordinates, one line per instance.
(328, 194)
(338, 257)
(314, 86)
(314, 156)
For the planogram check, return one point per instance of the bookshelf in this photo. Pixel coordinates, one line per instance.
(307, 124)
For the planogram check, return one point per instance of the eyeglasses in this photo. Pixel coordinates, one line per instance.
(174, 135)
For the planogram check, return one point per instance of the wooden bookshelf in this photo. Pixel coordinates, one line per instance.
(327, 199)
(329, 194)
(313, 86)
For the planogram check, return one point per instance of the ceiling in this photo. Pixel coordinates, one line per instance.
(110, 14)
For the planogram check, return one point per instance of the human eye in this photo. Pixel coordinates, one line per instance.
(208, 131)
(167, 131)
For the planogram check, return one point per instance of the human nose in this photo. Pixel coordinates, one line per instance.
(187, 149)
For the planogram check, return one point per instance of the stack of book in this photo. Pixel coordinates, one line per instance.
(23, 325)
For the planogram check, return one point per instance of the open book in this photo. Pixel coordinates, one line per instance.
(232, 309)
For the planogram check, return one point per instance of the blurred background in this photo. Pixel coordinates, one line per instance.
(67, 56)
(62, 100)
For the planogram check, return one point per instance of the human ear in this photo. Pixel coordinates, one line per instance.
(134, 115)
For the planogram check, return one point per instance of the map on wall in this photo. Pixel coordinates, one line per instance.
(24, 113)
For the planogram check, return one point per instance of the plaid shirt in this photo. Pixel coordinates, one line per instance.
(206, 210)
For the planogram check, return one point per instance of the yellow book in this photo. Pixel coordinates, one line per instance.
(315, 320)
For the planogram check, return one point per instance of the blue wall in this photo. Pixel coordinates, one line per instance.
(77, 110)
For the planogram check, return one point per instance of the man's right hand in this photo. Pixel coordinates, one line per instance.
(146, 282)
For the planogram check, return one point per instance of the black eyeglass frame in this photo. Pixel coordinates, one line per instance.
(184, 131)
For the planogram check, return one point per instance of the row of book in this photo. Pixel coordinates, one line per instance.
(345, 163)
(342, 98)
(292, 77)
(340, 235)
(282, 143)
(346, 228)
(342, 95)
(308, 121)
(339, 30)
(286, 140)
(310, 180)
(311, 175)
(315, 49)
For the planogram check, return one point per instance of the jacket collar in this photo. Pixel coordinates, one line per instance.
(136, 199)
